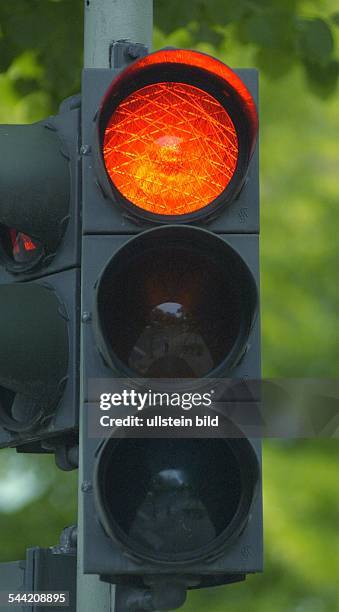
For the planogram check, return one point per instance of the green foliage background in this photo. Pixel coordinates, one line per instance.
(293, 43)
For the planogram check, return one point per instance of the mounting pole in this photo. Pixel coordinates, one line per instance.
(106, 21)
(109, 20)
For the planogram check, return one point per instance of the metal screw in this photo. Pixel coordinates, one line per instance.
(135, 51)
(85, 149)
(86, 317)
(86, 486)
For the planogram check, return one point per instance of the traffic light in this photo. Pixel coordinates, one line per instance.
(170, 289)
(39, 282)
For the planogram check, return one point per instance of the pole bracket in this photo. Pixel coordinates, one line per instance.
(123, 52)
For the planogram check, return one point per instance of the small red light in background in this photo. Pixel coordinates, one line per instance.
(21, 241)
(28, 244)
(19, 247)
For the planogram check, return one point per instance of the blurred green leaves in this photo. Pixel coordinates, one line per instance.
(53, 31)
(281, 33)
(315, 41)
(45, 503)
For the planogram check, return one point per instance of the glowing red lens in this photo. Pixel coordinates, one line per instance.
(170, 148)
(184, 129)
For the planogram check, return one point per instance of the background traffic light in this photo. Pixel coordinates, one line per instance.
(39, 282)
(170, 286)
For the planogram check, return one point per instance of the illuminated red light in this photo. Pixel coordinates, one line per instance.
(170, 148)
(177, 130)
(21, 241)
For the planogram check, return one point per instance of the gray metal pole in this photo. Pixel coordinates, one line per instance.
(106, 21)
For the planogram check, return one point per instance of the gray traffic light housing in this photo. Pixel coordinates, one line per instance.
(103, 214)
(114, 241)
(108, 554)
(99, 251)
(40, 283)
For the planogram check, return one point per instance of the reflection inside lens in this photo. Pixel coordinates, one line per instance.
(170, 344)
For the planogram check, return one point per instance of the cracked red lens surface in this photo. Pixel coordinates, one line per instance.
(170, 148)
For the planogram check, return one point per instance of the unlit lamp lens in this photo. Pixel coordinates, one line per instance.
(175, 499)
(186, 309)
